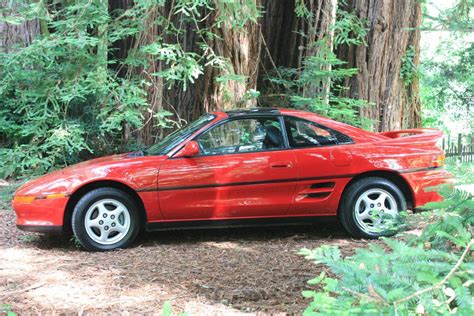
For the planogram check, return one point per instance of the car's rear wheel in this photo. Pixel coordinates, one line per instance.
(105, 219)
(371, 208)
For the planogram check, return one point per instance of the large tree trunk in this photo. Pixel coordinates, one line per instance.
(289, 39)
(395, 105)
(411, 103)
(150, 131)
(239, 47)
(16, 35)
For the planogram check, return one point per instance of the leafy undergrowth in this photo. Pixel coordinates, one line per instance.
(6, 193)
(427, 273)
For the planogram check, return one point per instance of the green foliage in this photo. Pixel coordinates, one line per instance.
(409, 70)
(447, 83)
(6, 309)
(75, 242)
(29, 239)
(301, 10)
(427, 274)
(349, 29)
(58, 102)
(317, 86)
(65, 97)
(457, 18)
(167, 310)
(447, 67)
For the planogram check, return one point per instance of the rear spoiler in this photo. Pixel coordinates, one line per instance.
(421, 136)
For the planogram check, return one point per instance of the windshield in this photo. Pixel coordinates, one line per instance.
(173, 139)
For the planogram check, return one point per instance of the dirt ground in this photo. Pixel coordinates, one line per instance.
(218, 272)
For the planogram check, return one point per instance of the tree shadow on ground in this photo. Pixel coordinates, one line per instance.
(245, 269)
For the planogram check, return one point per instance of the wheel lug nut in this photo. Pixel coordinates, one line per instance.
(371, 205)
(106, 227)
(378, 204)
(105, 215)
(113, 224)
(101, 222)
(112, 216)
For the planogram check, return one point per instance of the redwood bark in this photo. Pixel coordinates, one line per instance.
(394, 104)
(241, 48)
(16, 35)
(289, 39)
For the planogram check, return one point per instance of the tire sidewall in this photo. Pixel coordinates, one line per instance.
(356, 191)
(87, 201)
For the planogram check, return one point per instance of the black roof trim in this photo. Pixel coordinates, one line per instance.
(252, 111)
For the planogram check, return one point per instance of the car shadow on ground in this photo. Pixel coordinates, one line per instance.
(326, 229)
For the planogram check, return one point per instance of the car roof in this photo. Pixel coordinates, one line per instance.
(359, 135)
(252, 111)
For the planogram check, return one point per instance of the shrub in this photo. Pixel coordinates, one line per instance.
(427, 274)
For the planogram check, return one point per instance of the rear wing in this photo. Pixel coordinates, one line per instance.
(418, 136)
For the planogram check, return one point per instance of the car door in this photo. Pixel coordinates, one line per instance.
(244, 170)
(324, 164)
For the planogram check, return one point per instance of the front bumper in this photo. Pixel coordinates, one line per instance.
(41, 215)
(41, 229)
(420, 181)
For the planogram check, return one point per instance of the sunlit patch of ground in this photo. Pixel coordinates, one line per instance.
(218, 272)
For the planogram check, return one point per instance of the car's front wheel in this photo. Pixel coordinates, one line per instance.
(105, 219)
(371, 208)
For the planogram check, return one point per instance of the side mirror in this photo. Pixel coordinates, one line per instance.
(190, 149)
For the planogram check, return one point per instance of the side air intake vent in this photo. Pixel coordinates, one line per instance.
(323, 185)
(319, 195)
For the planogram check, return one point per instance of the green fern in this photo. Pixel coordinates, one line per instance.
(429, 274)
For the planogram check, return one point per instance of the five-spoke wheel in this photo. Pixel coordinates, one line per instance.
(105, 219)
(370, 207)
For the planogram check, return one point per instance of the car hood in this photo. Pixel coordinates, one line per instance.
(130, 169)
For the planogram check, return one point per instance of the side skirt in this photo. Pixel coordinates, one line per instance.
(237, 223)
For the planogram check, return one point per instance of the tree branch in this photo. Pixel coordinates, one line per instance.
(440, 283)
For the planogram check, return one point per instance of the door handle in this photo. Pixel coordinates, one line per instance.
(281, 164)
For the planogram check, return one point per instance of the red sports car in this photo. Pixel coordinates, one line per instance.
(235, 168)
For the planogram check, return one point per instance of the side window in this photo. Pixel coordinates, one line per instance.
(302, 133)
(243, 135)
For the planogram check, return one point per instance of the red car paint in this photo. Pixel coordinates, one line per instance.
(268, 184)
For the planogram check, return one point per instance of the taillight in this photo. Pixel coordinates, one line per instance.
(440, 160)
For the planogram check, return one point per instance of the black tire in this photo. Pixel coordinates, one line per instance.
(356, 190)
(86, 235)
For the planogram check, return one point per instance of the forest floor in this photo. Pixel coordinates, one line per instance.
(218, 272)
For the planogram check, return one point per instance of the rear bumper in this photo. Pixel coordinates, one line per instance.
(420, 181)
(41, 215)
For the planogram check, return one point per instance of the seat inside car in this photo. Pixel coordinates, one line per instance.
(273, 139)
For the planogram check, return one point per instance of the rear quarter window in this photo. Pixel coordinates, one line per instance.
(303, 133)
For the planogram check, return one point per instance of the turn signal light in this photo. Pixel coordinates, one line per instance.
(23, 199)
(55, 196)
